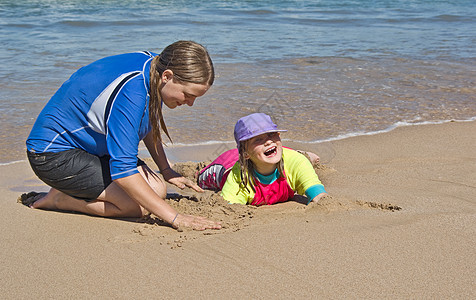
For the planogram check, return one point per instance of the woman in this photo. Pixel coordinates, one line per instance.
(84, 143)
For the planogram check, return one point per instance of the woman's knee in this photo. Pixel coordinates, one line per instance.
(156, 182)
(160, 188)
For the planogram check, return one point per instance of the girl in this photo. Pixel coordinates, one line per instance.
(265, 173)
(84, 143)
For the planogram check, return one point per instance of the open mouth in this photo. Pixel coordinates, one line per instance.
(271, 151)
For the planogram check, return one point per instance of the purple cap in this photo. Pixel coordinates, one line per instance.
(253, 125)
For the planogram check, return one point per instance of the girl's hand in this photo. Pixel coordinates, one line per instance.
(319, 197)
(194, 222)
(178, 180)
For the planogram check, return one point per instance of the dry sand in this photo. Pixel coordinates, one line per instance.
(400, 224)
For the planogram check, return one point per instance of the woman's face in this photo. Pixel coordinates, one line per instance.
(174, 93)
(265, 151)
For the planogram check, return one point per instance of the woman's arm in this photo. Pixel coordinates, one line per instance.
(158, 154)
(160, 159)
(140, 191)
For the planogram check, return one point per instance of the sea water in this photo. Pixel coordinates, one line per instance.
(322, 69)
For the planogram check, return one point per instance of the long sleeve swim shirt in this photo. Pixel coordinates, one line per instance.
(300, 178)
(103, 108)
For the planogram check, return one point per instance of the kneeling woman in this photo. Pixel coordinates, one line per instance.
(84, 143)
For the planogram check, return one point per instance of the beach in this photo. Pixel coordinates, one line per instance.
(383, 91)
(400, 223)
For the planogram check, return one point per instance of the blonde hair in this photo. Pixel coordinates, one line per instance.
(190, 63)
(247, 169)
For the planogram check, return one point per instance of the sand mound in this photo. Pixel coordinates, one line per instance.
(235, 217)
(208, 204)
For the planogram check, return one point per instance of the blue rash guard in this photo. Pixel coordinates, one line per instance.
(103, 109)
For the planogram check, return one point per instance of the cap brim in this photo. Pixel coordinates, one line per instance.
(259, 133)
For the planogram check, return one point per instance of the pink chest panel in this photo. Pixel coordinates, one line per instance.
(278, 191)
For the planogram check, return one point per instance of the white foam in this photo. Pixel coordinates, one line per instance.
(339, 137)
(388, 129)
(207, 143)
(143, 149)
(11, 163)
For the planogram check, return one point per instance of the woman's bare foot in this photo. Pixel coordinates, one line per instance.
(28, 199)
(47, 201)
(313, 158)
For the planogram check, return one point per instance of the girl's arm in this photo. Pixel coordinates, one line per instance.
(160, 159)
(302, 176)
(140, 191)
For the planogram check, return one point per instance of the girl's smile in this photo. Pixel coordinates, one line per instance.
(271, 152)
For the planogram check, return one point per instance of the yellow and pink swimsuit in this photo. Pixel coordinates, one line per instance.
(299, 178)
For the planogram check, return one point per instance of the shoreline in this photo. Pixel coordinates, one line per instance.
(180, 152)
(350, 245)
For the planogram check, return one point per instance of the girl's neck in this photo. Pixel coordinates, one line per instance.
(266, 170)
(266, 179)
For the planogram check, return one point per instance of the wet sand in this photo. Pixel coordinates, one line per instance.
(400, 223)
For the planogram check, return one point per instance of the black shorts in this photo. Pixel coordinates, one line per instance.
(74, 172)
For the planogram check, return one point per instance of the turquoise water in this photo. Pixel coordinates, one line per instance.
(323, 69)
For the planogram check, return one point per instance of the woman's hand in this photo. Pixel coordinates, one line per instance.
(194, 222)
(178, 180)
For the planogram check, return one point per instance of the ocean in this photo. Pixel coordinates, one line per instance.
(323, 70)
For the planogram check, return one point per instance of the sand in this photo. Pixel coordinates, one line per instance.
(400, 223)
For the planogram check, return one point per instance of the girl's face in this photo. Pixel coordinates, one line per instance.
(174, 93)
(265, 151)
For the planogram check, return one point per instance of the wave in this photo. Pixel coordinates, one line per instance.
(12, 162)
(104, 24)
(429, 19)
(336, 138)
(388, 129)
(143, 150)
